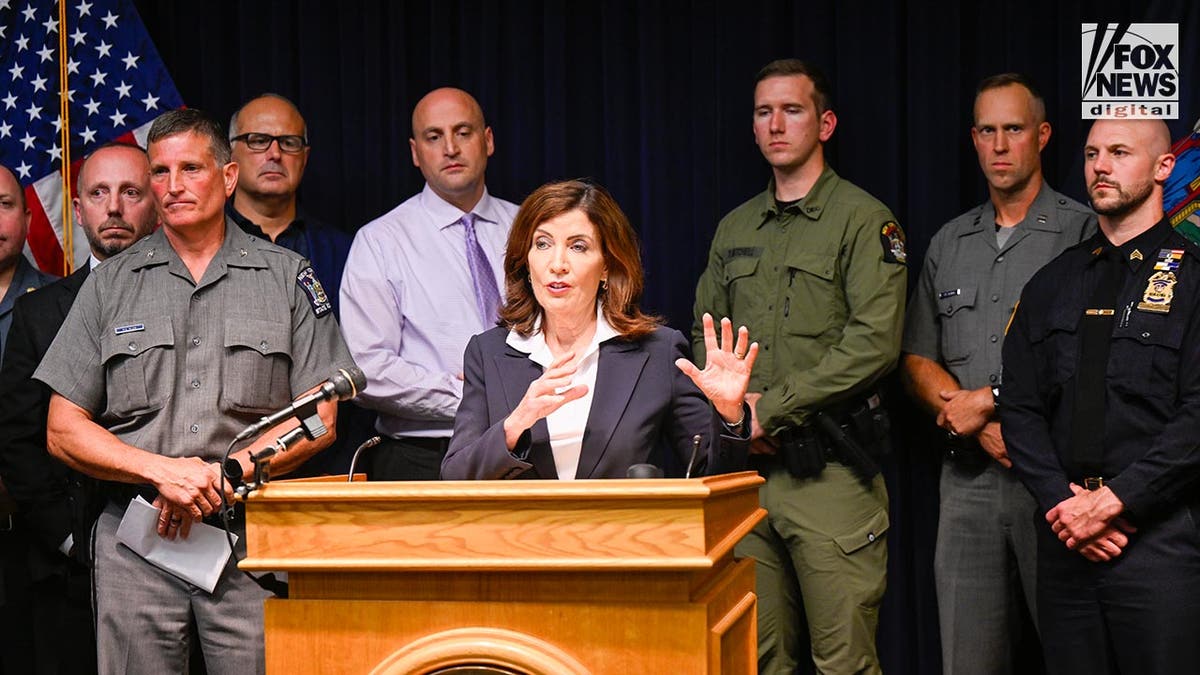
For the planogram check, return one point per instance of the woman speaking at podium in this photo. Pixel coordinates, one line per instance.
(576, 381)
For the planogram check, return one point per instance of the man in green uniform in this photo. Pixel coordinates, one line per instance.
(815, 267)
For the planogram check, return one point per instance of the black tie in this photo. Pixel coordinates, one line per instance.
(1095, 338)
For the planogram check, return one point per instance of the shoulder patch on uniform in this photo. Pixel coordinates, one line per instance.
(892, 238)
(308, 282)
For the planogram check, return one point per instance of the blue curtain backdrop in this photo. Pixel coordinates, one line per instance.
(653, 99)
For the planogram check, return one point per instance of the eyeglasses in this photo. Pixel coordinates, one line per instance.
(290, 144)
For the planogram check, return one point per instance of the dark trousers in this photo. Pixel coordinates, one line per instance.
(407, 458)
(16, 605)
(46, 623)
(1136, 614)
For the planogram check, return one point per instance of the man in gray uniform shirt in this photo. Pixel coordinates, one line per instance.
(974, 271)
(168, 352)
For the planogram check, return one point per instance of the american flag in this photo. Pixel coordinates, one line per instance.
(117, 85)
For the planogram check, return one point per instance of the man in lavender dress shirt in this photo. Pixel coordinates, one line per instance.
(410, 299)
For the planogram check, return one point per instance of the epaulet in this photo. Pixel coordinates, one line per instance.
(970, 216)
(1069, 204)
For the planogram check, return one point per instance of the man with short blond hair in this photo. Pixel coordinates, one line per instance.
(815, 267)
(976, 266)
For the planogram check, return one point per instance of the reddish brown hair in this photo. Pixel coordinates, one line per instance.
(618, 243)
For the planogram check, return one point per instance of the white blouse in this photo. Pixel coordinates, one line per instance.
(566, 425)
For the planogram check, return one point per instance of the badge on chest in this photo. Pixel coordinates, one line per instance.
(1160, 287)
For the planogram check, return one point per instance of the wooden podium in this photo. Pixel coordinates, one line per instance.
(530, 577)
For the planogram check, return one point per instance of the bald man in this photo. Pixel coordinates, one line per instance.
(420, 281)
(17, 278)
(270, 143)
(17, 275)
(1101, 415)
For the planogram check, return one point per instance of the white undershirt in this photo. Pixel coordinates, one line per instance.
(566, 425)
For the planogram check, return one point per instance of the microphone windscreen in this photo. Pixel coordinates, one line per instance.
(644, 471)
(348, 382)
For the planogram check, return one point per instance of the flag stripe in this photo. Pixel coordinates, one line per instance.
(117, 86)
(42, 240)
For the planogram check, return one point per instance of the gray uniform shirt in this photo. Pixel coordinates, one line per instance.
(969, 286)
(178, 368)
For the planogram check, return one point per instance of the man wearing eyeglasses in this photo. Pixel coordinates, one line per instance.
(270, 144)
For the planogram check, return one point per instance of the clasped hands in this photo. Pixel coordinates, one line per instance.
(188, 490)
(1089, 522)
(969, 412)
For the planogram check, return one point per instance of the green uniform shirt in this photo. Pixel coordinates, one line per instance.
(821, 286)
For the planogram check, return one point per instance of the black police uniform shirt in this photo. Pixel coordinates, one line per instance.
(1151, 436)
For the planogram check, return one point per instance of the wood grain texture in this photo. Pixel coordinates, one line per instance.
(620, 577)
(501, 525)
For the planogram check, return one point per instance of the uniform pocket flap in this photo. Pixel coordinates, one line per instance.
(1167, 334)
(953, 299)
(812, 263)
(739, 267)
(132, 338)
(264, 337)
(869, 532)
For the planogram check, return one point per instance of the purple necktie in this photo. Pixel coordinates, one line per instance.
(487, 296)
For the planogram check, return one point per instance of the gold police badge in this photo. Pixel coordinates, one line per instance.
(1158, 294)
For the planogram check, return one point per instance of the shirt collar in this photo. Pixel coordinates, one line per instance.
(1039, 216)
(252, 228)
(539, 352)
(1147, 244)
(445, 214)
(811, 205)
(237, 250)
(24, 280)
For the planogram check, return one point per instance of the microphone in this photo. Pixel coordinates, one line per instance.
(695, 451)
(369, 443)
(644, 471)
(344, 385)
(262, 459)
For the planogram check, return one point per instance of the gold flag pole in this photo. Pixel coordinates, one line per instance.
(68, 221)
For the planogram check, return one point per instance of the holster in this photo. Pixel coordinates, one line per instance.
(802, 451)
(848, 449)
(966, 454)
(857, 435)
